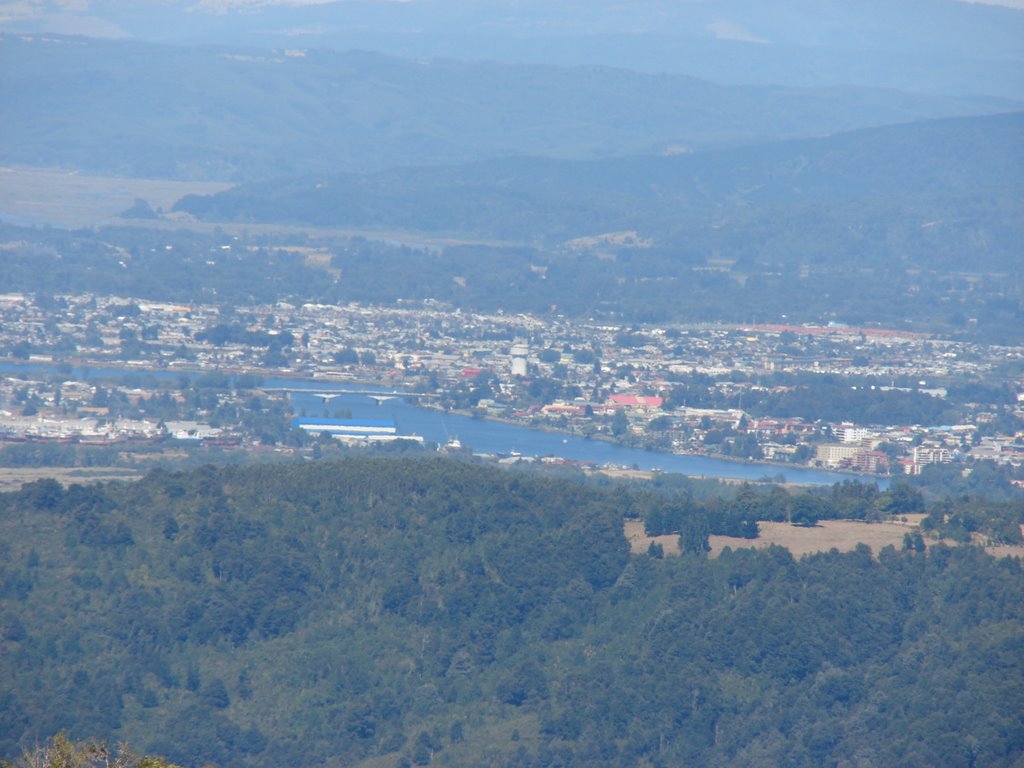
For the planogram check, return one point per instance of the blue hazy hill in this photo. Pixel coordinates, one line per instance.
(136, 109)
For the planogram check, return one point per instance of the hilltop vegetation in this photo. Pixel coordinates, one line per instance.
(735, 233)
(883, 185)
(430, 612)
(644, 198)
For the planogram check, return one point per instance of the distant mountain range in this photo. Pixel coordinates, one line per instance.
(958, 174)
(938, 46)
(136, 109)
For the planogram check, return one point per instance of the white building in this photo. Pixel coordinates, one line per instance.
(520, 352)
(851, 433)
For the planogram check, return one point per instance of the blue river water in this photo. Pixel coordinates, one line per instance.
(483, 436)
(491, 437)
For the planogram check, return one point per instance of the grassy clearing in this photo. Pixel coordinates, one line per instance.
(640, 542)
(843, 535)
(12, 478)
(66, 198)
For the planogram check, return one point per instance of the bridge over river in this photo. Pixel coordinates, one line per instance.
(330, 394)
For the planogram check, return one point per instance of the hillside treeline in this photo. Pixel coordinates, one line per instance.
(415, 612)
(657, 285)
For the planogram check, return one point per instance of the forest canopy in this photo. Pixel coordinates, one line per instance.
(422, 611)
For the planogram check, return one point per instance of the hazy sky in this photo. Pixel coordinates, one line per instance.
(21, 8)
(1007, 3)
(88, 17)
(227, 4)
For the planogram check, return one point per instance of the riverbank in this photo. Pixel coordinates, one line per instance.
(484, 435)
(781, 467)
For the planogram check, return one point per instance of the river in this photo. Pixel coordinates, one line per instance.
(484, 436)
(493, 437)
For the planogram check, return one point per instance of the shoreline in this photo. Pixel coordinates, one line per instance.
(126, 368)
(715, 456)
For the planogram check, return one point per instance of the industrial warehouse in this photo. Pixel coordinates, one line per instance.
(354, 430)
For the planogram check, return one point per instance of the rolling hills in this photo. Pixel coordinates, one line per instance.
(932, 46)
(900, 177)
(231, 114)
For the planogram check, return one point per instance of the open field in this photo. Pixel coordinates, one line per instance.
(248, 229)
(843, 535)
(646, 474)
(1006, 550)
(63, 198)
(70, 199)
(12, 478)
(639, 541)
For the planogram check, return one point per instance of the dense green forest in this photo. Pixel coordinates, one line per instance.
(943, 481)
(828, 397)
(403, 611)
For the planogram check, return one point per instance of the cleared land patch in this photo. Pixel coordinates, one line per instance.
(67, 198)
(640, 542)
(843, 535)
(12, 478)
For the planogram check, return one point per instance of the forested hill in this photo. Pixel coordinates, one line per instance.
(391, 612)
(896, 177)
(236, 114)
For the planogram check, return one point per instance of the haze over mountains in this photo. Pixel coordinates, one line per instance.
(922, 45)
(860, 226)
(137, 109)
(540, 199)
(625, 178)
(857, 140)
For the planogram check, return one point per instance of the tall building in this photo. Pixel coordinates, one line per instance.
(519, 354)
(925, 454)
(850, 433)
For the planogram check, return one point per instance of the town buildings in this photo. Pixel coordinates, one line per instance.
(698, 388)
